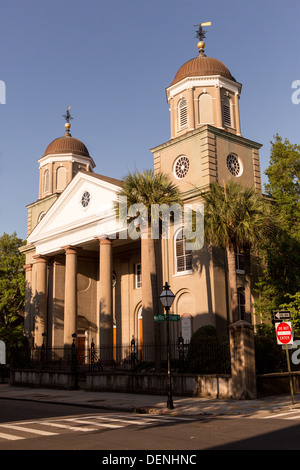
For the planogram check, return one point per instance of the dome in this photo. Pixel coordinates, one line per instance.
(202, 66)
(67, 144)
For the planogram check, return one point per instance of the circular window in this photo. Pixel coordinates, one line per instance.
(42, 214)
(85, 199)
(181, 167)
(234, 165)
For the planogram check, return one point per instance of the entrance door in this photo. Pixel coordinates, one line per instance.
(81, 349)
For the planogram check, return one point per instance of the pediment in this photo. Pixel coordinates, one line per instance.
(83, 211)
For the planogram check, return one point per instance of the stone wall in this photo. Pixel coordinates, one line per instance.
(210, 386)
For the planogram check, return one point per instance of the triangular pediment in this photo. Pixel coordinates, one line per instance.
(83, 211)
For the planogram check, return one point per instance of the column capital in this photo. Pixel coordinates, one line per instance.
(27, 267)
(104, 240)
(69, 249)
(41, 258)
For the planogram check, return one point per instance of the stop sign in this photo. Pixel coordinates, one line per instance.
(284, 333)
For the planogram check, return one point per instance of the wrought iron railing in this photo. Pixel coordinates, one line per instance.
(208, 356)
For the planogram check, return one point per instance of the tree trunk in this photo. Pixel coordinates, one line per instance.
(248, 276)
(150, 302)
(232, 283)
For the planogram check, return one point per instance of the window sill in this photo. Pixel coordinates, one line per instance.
(183, 273)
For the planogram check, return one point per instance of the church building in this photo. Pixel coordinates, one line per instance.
(83, 280)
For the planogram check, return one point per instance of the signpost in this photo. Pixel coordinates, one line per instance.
(284, 334)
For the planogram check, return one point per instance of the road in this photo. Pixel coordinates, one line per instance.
(36, 426)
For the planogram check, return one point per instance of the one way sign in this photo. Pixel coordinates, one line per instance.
(281, 315)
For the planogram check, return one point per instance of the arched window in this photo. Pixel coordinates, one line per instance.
(61, 178)
(182, 113)
(46, 181)
(183, 257)
(226, 112)
(241, 303)
(205, 109)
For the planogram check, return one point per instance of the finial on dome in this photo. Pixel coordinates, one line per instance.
(67, 117)
(200, 34)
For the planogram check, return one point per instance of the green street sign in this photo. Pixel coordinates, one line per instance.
(164, 318)
(159, 318)
(174, 317)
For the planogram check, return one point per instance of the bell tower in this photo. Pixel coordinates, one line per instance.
(206, 144)
(62, 160)
(204, 92)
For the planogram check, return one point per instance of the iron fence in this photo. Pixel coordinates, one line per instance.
(270, 357)
(208, 356)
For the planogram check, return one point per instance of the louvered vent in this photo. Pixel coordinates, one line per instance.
(226, 112)
(182, 114)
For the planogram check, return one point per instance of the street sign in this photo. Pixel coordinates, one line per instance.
(280, 315)
(159, 317)
(174, 317)
(164, 318)
(284, 333)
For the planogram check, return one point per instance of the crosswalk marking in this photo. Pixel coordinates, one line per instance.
(85, 423)
(65, 426)
(10, 437)
(30, 430)
(293, 417)
(120, 420)
(279, 415)
(106, 425)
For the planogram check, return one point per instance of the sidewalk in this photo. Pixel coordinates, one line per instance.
(151, 404)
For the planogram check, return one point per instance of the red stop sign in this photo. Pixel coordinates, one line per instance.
(284, 333)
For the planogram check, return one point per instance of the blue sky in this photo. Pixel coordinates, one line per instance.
(112, 61)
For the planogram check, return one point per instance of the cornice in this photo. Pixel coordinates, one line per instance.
(66, 157)
(211, 80)
(205, 129)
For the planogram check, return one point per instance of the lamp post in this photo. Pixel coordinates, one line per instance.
(167, 298)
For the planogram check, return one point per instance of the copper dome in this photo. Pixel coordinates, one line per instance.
(202, 66)
(67, 144)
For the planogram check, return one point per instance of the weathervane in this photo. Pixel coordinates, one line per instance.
(68, 117)
(200, 34)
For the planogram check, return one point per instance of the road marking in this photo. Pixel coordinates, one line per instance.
(120, 420)
(159, 418)
(33, 431)
(10, 437)
(293, 417)
(65, 426)
(281, 414)
(83, 421)
(88, 423)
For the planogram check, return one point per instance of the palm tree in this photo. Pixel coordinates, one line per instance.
(149, 189)
(236, 216)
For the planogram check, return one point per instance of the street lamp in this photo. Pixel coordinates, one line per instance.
(167, 298)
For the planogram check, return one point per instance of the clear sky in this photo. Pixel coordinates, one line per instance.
(112, 61)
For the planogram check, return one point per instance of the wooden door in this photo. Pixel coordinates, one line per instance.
(81, 349)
